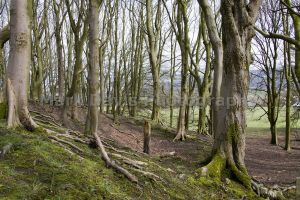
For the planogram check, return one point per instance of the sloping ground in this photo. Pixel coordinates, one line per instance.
(40, 167)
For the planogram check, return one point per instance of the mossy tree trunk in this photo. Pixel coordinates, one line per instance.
(183, 40)
(4, 37)
(153, 33)
(59, 50)
(238, 19)
(172, 77)
(217, 47)
(38, 69)
(203, 87)
(93, 67)
(79, 30)
(18, 65)
(116, 106)
(296, 23)
(288, 69)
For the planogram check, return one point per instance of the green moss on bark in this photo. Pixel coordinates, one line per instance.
(3, 110)
(214, 168)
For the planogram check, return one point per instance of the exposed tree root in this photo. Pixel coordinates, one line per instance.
(40, 115)
(67, 149)
(45, 122)
(215, 167)
(180, 135)
(66, 142)
(218, 164)
(241, 175)
(111, 163)
(76, 139)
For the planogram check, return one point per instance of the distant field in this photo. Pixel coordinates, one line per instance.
(254, 119)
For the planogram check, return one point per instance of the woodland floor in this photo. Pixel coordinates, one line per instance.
(268, 164)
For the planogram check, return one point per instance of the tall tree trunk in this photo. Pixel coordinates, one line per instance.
(218, 66)
(79, 30)
(59, 52)
(18, 65)
(153, 39)
(94, 9)
(287, 66)
(116, 102)
(203, 89)
(183, 38)
(238, 19)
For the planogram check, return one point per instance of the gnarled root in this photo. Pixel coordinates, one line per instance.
(215, 167)
(180, 135)
(219, 163)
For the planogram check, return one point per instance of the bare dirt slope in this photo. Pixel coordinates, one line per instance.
(266, 163)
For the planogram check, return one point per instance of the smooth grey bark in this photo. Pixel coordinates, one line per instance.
(18, 65)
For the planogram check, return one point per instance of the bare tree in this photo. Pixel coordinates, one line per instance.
(238, 20)
(18, 65)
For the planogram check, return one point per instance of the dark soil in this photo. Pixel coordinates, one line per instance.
(271, 164)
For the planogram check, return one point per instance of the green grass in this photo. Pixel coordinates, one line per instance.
(256, 120)
(36, 168)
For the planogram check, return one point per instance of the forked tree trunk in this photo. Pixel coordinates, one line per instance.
(238, 20)
(18, 65)
(183, 40)
(59, 51)
(79, 29)
(153, 40)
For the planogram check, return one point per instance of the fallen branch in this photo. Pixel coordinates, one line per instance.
(111, 163)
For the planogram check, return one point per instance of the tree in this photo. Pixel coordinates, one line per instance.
(288, 69)
(267, 60)
(79, 30)
(218, 54)
(294, 41)
(58, 8)
(183, 41)
(93, 73)
(238, 20)
(38, 67)
(18, 65)
(153, 45)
